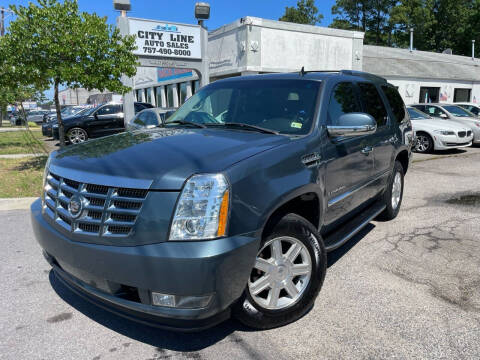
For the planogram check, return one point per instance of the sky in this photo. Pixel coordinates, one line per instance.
(221, 11)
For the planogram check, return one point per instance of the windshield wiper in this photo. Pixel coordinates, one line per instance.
(250, 127)
(185, 122)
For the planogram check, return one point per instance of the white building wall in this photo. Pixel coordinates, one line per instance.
(409, 88)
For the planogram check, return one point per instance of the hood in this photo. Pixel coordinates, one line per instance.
(164, 158)
(433, 124)
(473, 119)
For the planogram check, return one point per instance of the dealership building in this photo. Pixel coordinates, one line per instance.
(256, 46)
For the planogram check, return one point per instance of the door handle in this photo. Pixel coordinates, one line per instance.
(366, 150)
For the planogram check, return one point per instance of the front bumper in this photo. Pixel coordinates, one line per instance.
(101, 273)
(444, 142)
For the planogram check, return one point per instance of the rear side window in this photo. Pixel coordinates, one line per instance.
(396, 103)
(373, 103)
(342, 101)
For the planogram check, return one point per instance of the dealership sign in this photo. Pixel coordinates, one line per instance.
(166, 40)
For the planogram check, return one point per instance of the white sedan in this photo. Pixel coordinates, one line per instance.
(434, 135)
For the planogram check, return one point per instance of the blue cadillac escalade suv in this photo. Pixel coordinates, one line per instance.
(231, 206)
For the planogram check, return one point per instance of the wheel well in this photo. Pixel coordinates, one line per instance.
(403, 158)
(306, 206)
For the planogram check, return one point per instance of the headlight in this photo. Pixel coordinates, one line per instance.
(202, 209)
(445, 132)
(44, 180)
(54, 126)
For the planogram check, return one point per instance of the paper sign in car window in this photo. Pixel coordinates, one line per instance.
(296, 125)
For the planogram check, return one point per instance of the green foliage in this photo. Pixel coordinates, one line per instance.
(53, 43)
(437, 24)
(304, 13)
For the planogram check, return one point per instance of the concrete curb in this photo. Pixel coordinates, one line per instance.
(18, 156)
(16, 203)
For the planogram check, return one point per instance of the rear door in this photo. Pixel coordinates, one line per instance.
(349, 166)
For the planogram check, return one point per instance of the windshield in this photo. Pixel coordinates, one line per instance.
(417, 114)
(284, 106)
(458, 111)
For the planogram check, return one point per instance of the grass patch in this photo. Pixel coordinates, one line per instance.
(22, 142)
(21, 177)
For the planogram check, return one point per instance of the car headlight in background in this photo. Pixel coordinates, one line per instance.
(202, 209)
(445, 132)
(55, 126)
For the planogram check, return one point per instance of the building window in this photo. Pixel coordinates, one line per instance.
(158, 96)
(149, 96)
(195, 86)
(170, 93)
(429, 94)
(182, 92)
(462, 95)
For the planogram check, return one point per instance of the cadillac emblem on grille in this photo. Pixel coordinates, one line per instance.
(75, 205)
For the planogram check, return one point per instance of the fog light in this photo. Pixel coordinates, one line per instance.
(181, 302)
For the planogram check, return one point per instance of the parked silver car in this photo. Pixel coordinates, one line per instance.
(454, 113)
(150, 118)
(36, 116)
(472, 107)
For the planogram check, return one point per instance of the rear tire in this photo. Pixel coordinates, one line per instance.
(393, 194)
(287, 276)
(76, 135)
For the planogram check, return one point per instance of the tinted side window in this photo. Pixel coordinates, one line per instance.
(108, 110)
(342, 101)
(373, 103)
(396, 103)
(151, 118)
(140, 119)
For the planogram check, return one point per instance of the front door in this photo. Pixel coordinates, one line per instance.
(383, 139)
(349, 167)
(106, 120)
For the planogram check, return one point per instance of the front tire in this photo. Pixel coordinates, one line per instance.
(393, 195)
(287, 276)
(77, 135)
(424, 143)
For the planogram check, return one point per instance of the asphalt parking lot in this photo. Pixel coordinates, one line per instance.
(409, 288)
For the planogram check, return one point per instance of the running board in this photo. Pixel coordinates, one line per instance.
(348, 230)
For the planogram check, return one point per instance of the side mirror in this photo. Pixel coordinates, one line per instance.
(353, 124)
(444, 116)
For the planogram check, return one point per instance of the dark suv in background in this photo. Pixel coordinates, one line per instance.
(103, 120)
(232, 205)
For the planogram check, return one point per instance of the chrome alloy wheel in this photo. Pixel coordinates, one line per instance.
(76, 135)
(422, 144)
(281, 273)
(396, 190)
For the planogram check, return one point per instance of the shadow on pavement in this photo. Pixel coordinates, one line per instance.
(337, 254)
(161, 339)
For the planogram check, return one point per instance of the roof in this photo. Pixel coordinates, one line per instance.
(392, 62)
(309, 75)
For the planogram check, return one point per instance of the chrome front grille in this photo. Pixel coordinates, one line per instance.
(462, 133)
(469, 133)
(106, 211)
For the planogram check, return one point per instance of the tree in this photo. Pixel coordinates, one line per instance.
(305, 13)
(58, 44)
(369, 16)
(14, 91)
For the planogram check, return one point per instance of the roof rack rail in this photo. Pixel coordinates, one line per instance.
(346, 72)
